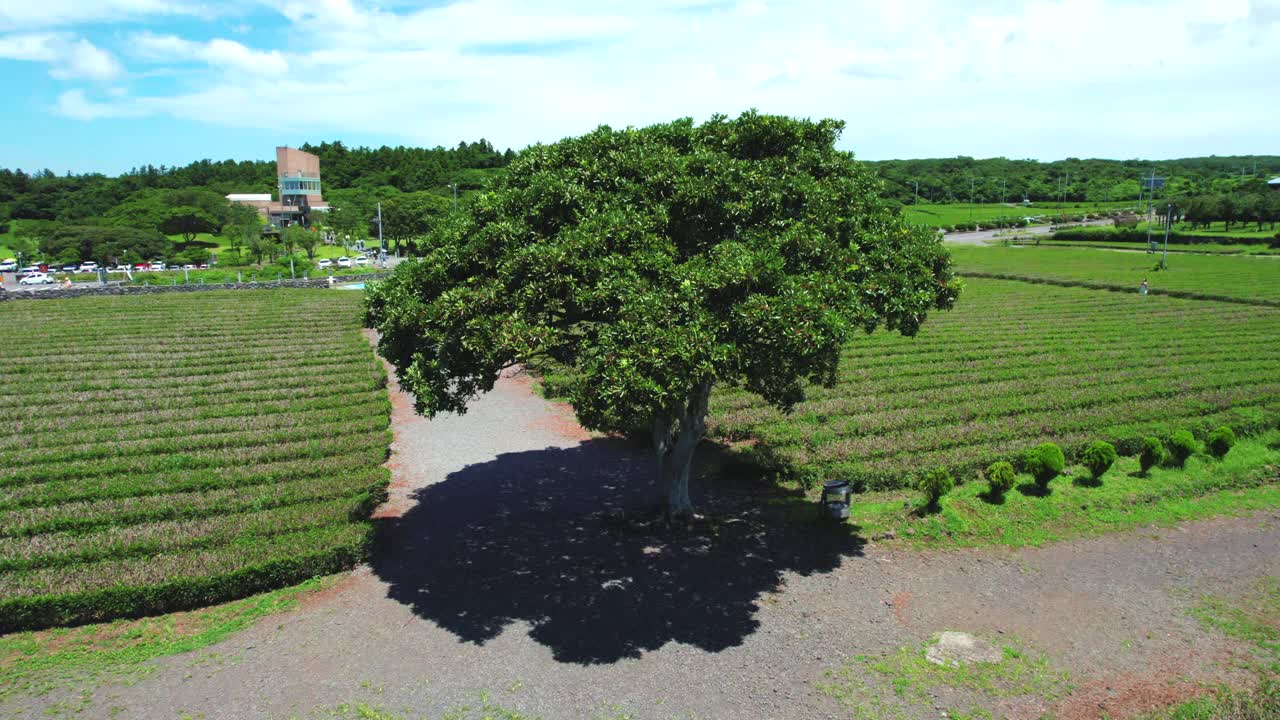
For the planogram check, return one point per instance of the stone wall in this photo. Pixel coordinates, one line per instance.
(89, 289)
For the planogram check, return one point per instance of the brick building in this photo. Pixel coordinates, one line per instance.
(298, 189)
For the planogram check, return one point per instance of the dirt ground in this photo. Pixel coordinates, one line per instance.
(501, 573)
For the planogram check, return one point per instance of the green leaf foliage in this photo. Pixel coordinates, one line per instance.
(1045, 462)
(934, 484)
(1152, 454)
(1099, 457)
(1182, 445)
(741, 252)
(1220, 441)
(1000, 478)
(104, 244)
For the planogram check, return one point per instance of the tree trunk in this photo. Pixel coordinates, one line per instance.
(675, 438)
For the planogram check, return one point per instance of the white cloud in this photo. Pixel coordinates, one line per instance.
(84, 60)
(218, 52)
(24, 14)
(74, 104)
(35, 47)
(917, 77)
(68, 57)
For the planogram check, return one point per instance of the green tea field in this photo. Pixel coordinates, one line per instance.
(1242, 278)
(167, 451)
(1016, 364)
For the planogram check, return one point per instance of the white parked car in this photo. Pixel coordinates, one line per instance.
(344, 261)
(188, 267)
(88, 267)
(36, 279)
(30, 269)
(362, 260)
(9, 265)
(157, 266)
(324, 263)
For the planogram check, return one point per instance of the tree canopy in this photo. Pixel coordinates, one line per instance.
(660, 262)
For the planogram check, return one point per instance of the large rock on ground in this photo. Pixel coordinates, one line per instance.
(956, 648)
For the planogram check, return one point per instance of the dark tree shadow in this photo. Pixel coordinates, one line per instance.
(926, 509)
(1086, 481)
(1034, 490)
(546, 538)
(991, 498)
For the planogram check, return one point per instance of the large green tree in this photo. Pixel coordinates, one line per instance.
(188, 221)
(407, 217)
(659, 263)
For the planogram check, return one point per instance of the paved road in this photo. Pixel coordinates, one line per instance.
(500, 571)
(982, 237)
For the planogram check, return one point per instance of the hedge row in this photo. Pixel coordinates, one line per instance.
(1175, 238)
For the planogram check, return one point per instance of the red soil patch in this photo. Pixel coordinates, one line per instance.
(1127, 695)
(562, 421)
(324, 597)
(901, 604)
(402, 413)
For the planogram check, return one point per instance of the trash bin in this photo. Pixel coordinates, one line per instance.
(835, 498)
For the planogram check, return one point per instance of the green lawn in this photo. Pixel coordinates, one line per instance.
(1244, 481)
(1247, 278)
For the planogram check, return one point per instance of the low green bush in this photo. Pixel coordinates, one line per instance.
(1099, 457)
(1045, 462)
(1182, 445)
(1152, 454)
(1220, 441)
(1000, 478)
(934, 484)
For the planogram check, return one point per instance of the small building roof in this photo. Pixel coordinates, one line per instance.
(1274, 181)
(249, 197)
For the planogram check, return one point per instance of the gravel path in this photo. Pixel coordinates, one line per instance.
(499, 571)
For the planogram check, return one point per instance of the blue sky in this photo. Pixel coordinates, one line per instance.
(103, 85)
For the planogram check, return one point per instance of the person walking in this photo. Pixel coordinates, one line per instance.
(1144, 287)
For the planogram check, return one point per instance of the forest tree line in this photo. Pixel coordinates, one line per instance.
(94, 217)
(71, 214)
(964, 179)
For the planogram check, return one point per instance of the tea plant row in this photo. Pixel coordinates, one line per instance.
(1017, 364)
(162, 452)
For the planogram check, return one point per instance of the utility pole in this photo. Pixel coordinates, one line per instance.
(1168, 223)
(381, 247)
(917, 184)
(454, 185)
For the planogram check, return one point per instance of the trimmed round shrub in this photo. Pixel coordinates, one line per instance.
(1099, 457)
(1152, 454)
(1000, 477)
(934, 484)
(1220, 441)
(1182, 445)
(1045, 462)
